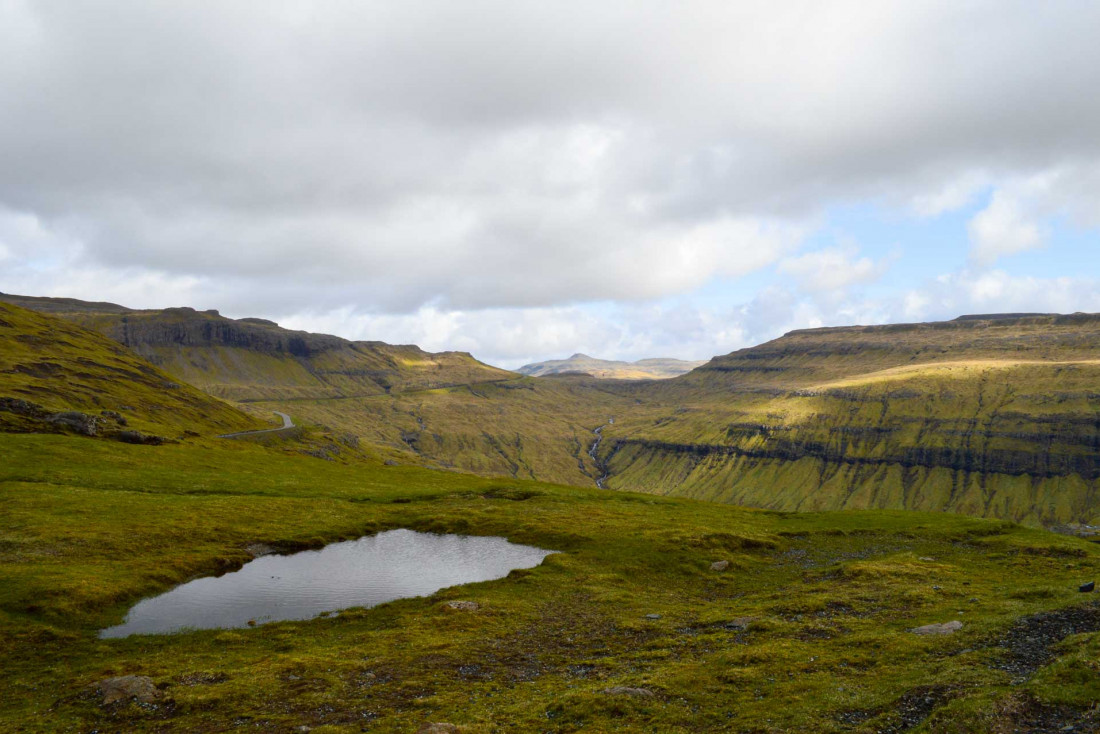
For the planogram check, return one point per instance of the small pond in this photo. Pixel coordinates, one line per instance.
(358, 573)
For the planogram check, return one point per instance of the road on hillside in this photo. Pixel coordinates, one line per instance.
(287, 424)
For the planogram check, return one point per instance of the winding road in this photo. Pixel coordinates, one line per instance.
(287, 424)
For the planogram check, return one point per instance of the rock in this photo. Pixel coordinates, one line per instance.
(945, 628)
(437, 728)
(137, 437)
(257, 550)
(927, 559)
(23, 407)
(653, 616)
(739, 623)
(463, 606)
(1086, 588)
(629, 691)
(82, 423)
(390, 462)
(114, 416)
(719, 565)
(124, 688)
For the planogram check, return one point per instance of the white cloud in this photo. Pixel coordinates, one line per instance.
(470, 175)
(832, 270)
(1005, 227)
(950, 195)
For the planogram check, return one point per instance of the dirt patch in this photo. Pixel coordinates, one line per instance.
(907, 713)
(1024, 715)
(1030, 640)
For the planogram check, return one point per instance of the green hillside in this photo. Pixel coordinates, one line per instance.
(254, 359)
(806, 623)
(990, 416)
(56, 376)
(806, 630)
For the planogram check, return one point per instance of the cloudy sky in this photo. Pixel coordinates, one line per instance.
(526, 180)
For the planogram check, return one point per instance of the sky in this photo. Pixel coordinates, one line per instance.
(526, 180)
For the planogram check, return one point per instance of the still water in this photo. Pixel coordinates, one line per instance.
(358, 573)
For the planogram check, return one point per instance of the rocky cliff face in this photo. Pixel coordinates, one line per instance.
(992, 416)
(186, 327)
(255, 359)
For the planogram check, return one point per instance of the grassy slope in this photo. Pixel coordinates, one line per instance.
(989, 417)
(90, 527)
(254, 360)
(990, 438)
(61, 366)
(525, 428)
(993, 418)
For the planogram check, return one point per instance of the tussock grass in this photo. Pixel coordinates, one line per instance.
(805, 631)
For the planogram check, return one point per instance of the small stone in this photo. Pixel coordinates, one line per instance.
(1086, 588)
(438, 727)
(463, 606)
(629, 691)
(256, 550)
(739, 623)
(945, 628)
(137, 687)
(935, 588)
(653, 616)
(719, 565)
(927, 559)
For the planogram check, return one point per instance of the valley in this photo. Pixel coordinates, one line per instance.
(990, 416)
(655, 613)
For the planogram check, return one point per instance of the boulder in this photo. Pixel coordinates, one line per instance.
(719, 565)
(1086, 588)
(463, 606)
(944, 628)
(82, 423)
(23, 407)
(629, 691)
(113, 415)
(138, 688)
(137, 437)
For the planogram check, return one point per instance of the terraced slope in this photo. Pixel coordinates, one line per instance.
(52, 372)
(993, 417)
(254, 359)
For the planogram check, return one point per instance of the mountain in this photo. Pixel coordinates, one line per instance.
(56, 376)
(986, 416)
(645, 369)
(989, 415)
(254, 359)
(649, 614)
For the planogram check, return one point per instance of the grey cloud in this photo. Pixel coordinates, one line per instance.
(511, 154)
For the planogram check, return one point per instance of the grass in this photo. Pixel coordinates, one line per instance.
(991, 418)
(805, 631)
(61, 367)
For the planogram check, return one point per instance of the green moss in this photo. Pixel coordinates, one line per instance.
(807, 625)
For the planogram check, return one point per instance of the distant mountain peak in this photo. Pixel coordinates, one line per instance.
(583, 364)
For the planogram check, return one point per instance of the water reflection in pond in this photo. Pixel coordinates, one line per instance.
(357, 573)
